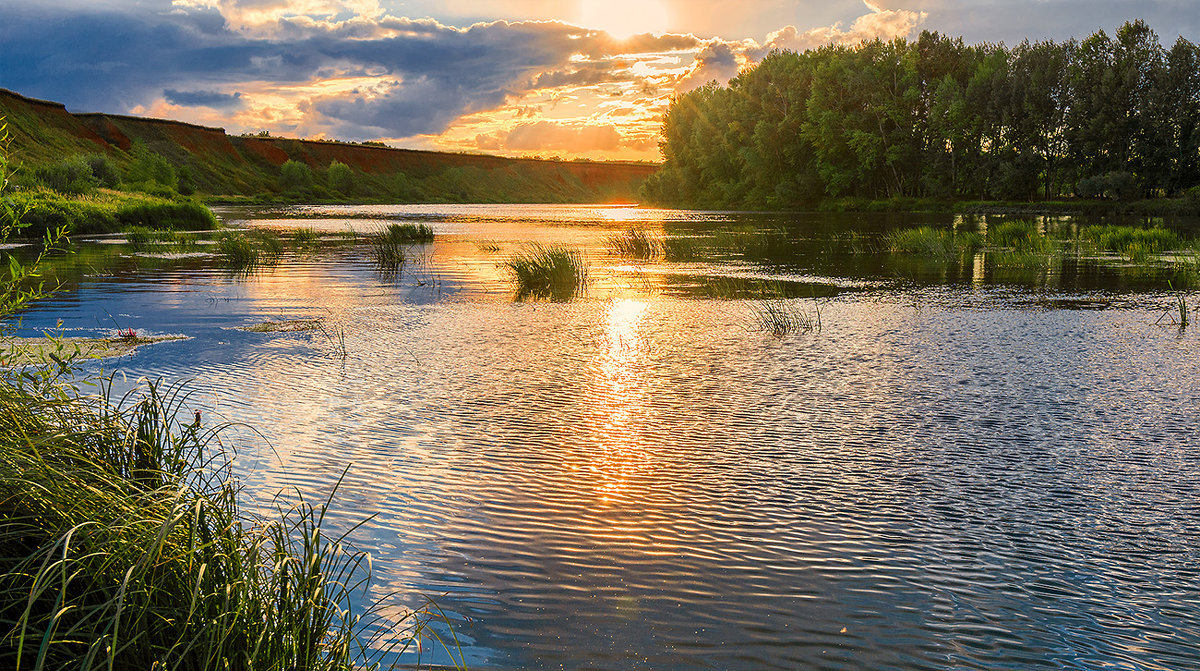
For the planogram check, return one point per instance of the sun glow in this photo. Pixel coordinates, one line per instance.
(624, 18)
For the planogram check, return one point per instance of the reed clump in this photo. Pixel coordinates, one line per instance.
(553, 272)
(242, 251)
(781, 317)
(389, 246)
(932, 243)
(636, 243)
(1135, 243)
(125, 548)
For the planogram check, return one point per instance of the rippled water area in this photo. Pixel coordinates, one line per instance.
(976, 461)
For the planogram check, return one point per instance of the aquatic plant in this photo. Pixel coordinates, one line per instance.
(781, 317)
(679, 248)
(553, 272)
(407, 233)
(243, 251)
(931, 243)
(125, 547)
(1135, 243)
(634, 243)
(305, 237)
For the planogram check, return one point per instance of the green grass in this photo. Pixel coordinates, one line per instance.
(553, 272)
(407, 233)
(125, 548)
(244, 251)
(931, 243)
(634, 243)
(1135, 243)
(107, 211)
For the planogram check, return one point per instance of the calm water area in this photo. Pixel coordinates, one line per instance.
(970, 465)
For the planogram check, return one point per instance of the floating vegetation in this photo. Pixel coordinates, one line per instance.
(142, 237)
(125, 547)
(16, 351)
(634, 243)
(284, 326)
(306, 238)
(487, 246)
(932, 243)
(553, 272)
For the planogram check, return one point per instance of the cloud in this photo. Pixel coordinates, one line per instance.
(347, 69)
(554, 136)
(212, 99)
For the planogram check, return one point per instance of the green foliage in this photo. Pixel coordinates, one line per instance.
(1114, 117)
(148, 169)
(19, 283)
(340, 177)
(244, 251)
(69, 176)
(553, 272)
(104, 170)
(295, 176)
(110, 214)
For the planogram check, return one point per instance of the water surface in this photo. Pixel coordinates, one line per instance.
(968, 466)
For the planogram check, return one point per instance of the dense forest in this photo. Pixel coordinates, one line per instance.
(1106, 117)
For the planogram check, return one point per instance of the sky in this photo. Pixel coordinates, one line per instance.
(567, 78)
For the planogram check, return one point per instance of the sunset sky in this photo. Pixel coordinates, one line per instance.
(569, 78)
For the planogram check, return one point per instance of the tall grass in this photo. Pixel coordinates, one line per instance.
(125, 548)
(634, 243)
(245, 252)
(932, 243)
(407, 233)
(781, 317)
(553, 272)
(1134, 243)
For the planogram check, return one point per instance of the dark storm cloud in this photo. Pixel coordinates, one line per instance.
(114, 60)
(213, 99)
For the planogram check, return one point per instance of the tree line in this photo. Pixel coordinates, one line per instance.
(1115, 117)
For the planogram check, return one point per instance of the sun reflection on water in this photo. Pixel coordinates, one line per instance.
(619, 399)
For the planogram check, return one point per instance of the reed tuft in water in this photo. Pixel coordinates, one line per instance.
(635, 243)
(389, 246)
(932, 243)
(781, 317)
(553, 272)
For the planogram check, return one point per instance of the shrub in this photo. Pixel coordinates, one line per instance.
(69, 176)
(104, 170)
(295, 176)
(340, 177)
(151, 168)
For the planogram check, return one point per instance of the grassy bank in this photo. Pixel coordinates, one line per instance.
(108, 211)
